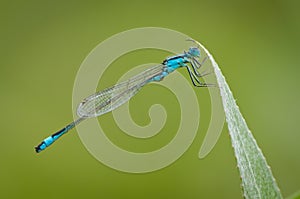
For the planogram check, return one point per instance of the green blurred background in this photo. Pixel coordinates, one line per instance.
(43, 43)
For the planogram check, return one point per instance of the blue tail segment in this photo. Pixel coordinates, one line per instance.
(49, 140)
(52, 138)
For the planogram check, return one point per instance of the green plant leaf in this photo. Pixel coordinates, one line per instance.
(256, 175)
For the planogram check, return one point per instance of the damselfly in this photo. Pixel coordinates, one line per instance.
(113, 97)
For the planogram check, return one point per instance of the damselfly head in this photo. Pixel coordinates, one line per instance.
(194, 52)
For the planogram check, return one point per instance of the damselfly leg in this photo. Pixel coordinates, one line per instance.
(195, 74)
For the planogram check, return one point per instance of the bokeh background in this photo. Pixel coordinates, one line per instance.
(43, 43)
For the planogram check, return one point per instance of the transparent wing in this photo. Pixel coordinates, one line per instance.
(110, 98)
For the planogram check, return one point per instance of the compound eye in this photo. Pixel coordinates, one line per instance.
(194, 52)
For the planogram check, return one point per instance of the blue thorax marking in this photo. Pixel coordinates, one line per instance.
(172, 63)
